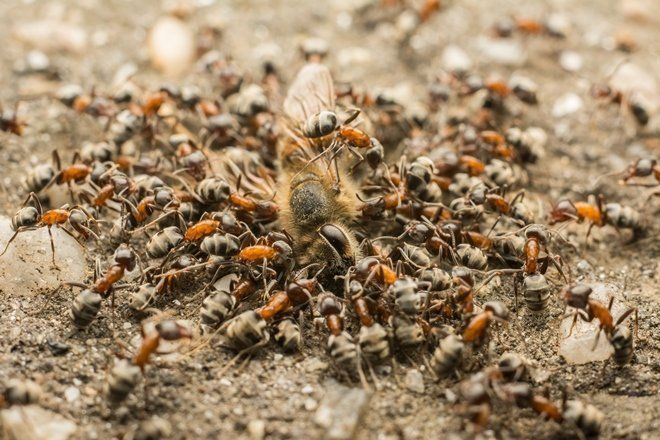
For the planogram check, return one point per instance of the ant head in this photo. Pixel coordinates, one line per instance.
(539, 232)
(125, 256)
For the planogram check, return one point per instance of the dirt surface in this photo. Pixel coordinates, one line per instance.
(277, 394)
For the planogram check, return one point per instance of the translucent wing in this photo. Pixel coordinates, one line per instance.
(311, 92)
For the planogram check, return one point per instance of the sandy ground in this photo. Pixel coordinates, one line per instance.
(278, 395)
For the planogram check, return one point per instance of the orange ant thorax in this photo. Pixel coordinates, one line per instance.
(201, 229)
(589, 212)
(257, 252)
(355, 136)
(55, 216)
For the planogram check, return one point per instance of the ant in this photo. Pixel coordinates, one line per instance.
(76, 172)
(32, 217)
(10, 122)
(478, 325)
(612, 214)
(618, 335)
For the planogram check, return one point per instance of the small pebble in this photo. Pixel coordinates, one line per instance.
(455, 59)
(583, 266)
(414, 381)
(566, 105)
(71, 394)
(257, 429)
(570, 61)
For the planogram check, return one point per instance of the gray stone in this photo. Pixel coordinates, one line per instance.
(31, 422)
(506, 52)
(341, 410)
(566, 104)
(455, 59)
(414, 381)
(27, 265)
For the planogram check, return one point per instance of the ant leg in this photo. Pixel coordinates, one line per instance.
(570, 331)
(597, 338)
(151, 223)
(72, 236)
(558, 265)
(515, 295)
(14, 236)
(626, 315)
(37, 203)
(494, 224)
(52, 247)
(356, 113)
(586, 239)
(73, 199)
(86, 230)
(56, 160)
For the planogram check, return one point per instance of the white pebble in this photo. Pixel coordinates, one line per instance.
(171, 46)
(566, 105)
(455, 59)
(71, 394)
(570, 61)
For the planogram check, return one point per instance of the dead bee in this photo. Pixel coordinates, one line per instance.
(288, 335)
(121, 380)
(316, 194)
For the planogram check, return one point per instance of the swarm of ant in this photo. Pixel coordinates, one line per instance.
(287, 209)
